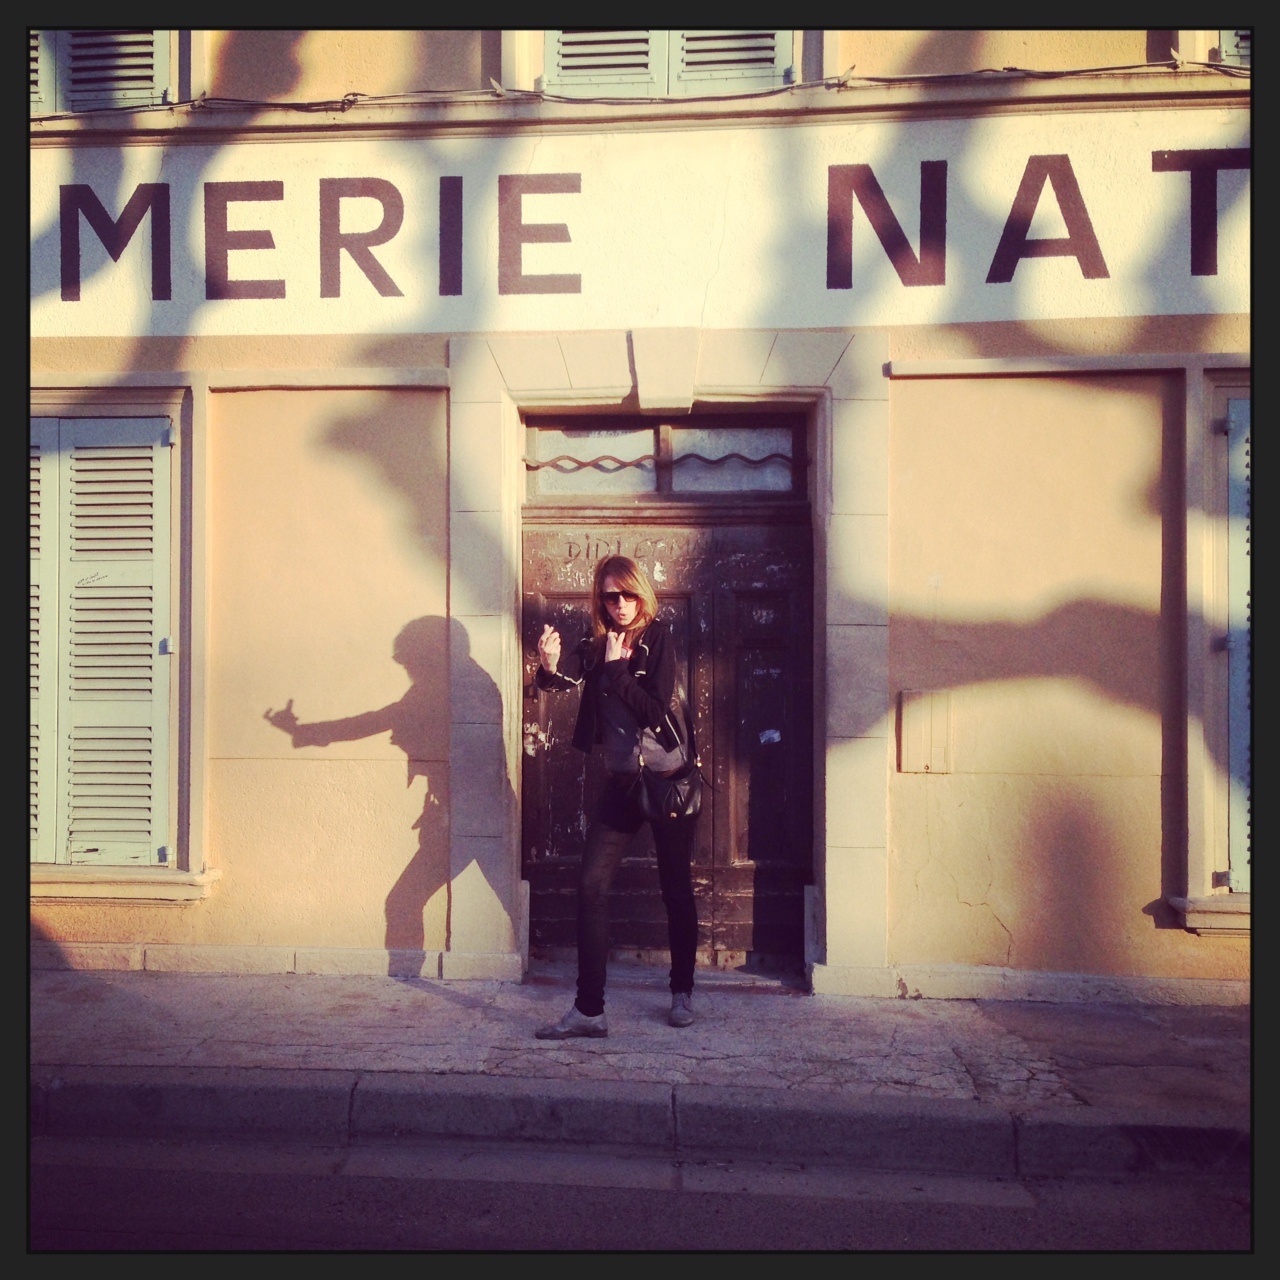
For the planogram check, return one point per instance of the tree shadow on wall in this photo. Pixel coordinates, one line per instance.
(415, 724)
(1127, 654)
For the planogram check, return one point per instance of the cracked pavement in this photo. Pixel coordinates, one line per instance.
(749, 1032)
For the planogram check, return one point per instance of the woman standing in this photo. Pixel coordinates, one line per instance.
(626, 676)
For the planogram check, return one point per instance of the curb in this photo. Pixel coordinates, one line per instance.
(412, 1105)
(925, 1135)
(684, 1122)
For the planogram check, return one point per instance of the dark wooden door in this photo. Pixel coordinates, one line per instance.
(738, 598)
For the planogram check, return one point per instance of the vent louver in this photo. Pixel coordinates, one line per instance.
(112, 502)
(110, 68)
(34, 65)
(589, 54)
(35, 641)
(110, 774)
(112, 642)
(728, 50)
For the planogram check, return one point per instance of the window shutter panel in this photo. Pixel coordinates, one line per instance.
(42, 60)
(730, 61)
(605, 64)
(114, 596)
(87, 70)
(44, 631)
(1235, 47)
(113, 68)
(1239, 656)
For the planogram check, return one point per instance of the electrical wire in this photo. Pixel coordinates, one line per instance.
(847, 80)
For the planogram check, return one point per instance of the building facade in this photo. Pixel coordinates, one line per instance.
(913, 366)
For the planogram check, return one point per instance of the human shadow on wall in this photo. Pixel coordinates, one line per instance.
(419, 726)
(1016, 336)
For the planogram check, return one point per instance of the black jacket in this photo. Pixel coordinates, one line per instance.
(645, 682)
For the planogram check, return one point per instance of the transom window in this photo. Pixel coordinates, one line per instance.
(613, 457)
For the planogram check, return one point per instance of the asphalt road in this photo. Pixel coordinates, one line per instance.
(112, 1195)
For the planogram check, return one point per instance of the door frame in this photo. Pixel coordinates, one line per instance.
(740, 514)
(839, 379)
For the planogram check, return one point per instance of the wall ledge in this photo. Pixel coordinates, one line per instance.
(176, 957)
(1224, 915)
(988, 982)
(1027, 366)
(124, 884)
(501, 966)
(1157, 87)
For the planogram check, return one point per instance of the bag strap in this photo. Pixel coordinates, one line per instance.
(690, 737)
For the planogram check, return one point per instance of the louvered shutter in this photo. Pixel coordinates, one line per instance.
(84, 70)
(1235, 47)
(730, 61)
(42, 62)
(606, 64)
(1239, 657)
(44, 633)
(113, 721)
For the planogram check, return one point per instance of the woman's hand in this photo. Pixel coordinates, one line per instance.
(614, 648)
(549, 648)
(285, 719)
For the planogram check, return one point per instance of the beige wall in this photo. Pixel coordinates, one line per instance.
(117, 356)
(900, 53)
(304, 66)
(1105, 336)
(310, 66)
(327, 537)
(1012, 541)
(1032, 571)
(1034, 574)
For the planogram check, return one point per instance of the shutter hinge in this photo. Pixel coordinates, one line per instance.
(166, 646)
(1221, 426)
(162, 853)
(167, 438)
(1222, 644)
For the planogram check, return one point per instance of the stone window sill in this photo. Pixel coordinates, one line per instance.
(1225, 915)
(132, 884)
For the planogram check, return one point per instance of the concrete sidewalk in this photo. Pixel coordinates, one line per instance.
(766, 1072)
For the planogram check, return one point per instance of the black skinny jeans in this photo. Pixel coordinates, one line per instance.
(617, 820)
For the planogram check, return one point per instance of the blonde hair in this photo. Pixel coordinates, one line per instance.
(629, 577)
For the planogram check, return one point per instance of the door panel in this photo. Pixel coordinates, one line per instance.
(764, 844)
(738, 600)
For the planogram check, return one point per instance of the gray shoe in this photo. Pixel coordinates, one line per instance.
(575, 1024)
(681, 1009)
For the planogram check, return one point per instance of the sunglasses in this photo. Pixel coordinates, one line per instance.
(617, 597)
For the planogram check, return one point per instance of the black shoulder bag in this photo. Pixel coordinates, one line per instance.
(676, 795)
